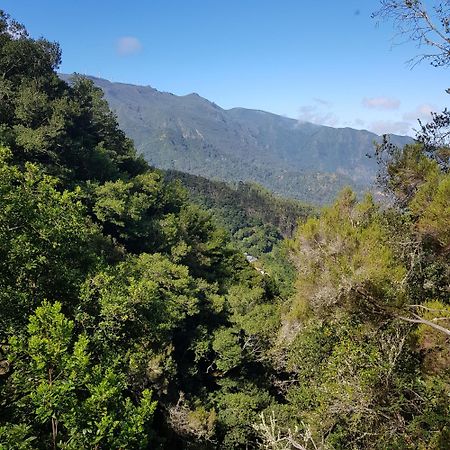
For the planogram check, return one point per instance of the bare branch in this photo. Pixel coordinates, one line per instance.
(413, 21)
(421, 320)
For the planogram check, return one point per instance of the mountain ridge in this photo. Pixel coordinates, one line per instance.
(189, 133)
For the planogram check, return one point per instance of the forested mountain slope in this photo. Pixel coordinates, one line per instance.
(191, 134)
(257, 220)
(130, 320)
(254, 216)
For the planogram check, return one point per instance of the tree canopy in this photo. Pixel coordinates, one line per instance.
(130, 319)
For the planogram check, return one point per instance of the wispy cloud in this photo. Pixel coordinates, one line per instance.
(390, 126)
(313, 114)
(422, 112)
(128, 45)
(400, 122)
(321, 101)
(382, 103)
(359, 123)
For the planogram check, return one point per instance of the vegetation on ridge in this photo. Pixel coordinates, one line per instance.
(299, 160)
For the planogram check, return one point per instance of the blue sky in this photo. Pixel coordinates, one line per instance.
(327, 62)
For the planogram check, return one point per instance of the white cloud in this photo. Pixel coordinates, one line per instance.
(390, 126)
(128, 45)
(313, 114)
(381, 103)
(422, 112)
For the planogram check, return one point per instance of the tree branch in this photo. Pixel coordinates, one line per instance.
(421, 320)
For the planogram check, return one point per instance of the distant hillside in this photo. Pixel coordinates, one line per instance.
(191, 134)
(255, 218)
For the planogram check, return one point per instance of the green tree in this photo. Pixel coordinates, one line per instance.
(47, 242)
(352, 358)
(69, 129)
(72, 402)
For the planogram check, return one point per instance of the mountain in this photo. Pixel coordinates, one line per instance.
(243, 207)
(191, 134)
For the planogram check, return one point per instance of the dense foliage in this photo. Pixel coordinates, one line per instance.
(258, 221)
(243, 207)
(122, 304)
(130, 319)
